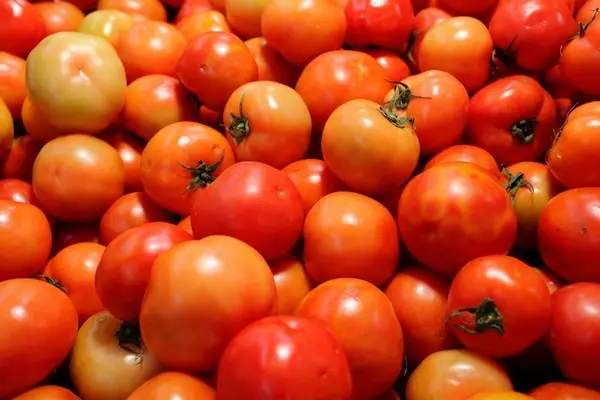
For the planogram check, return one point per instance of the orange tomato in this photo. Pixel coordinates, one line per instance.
(36, 124)
(291, 282)
(245, 16)
(173, 385)
(48, 392)
(466, 153)
(564, 391)
(201, 22)
(12, 82)
(271, 65)
(108, 24)
(151, 9)
(59, 16)
(501, 396)
(190, 7)
(18, 163)
(130, 149)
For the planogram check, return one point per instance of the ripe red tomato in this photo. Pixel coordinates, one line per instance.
(513, 118)
(12, 82)
(202, 22)
(149, 9)
(72, 233)
(180, 160)
(466, 153)
(336, 77)
(253, 202)
(363, 320)
(568, 231)
(214, 65)
(21, 27)
(564, 391)
(291, 282)
(424, 20)
(124, 270)
(18, 163)
(319, 26)
(182, 288)
(454, 213)
(386, 24)
(191, 7)
(396, 69)
(485, 306)
(419, 297)
(271, 65)
(49, 392)
(59, 16)
(468, 7)
(130, 149)
(554, 82)
(37, 318)
(109, 24)
(173, 385)
(574, 334)
(17, 191)
(345, 235)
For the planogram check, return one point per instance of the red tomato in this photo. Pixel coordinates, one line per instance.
(186, 225)
(130, 149)
(386, 24)
(419, 297)
(485, 306)
(271, 65)
(552, 282)
(513, 118)
(37, 319)
(568, 231)
(59, 16)
(173, 385)
(21, 27)
(564, 391)
(17, 191)
(363, 320)
(257, 204)
(123, 273)
(424, 20)
(454, 213)
(48, 392)
(202, 22)
(18, 163)
(396, 69)
(180, 160)
(190, 7)
(291, 282)
(574, 334)
(12, 82)
(182, 288)
(336, 77)
(150, 9)
(214, 65)
(74, 267)
(466, 153)
(72, 233)
(345, 235)
(312, 366)
(468, 7)
(129, 211)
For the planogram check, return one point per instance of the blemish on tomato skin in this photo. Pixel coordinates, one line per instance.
(584, 229)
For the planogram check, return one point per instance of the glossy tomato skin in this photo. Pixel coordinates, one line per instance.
(245, 18)
(466, 153)
(314, 366)
(563, 391)
(59, 16)
(202, 22)
(146, 9)
(12, 82)
(292, 283)
(271, 65)
(18, 191)
(45, 324)
(23, 24)
(110, 24)
(363, 320)
(436, 220)
(424, 20)
(213, 65)
(513, 118)
(386, 24)
(574, 334)
(123, 272)
(173, 385)
(568, 231)
(396, 69)
(47, 392)
(253, 202)
(508, 283)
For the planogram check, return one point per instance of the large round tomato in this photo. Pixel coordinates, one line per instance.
(568, 235)
(255, 203)
(312, 366)
(369, 148)
(48, 392)
(267, 122)
(466, 153)
(348, 235)
(12, 82)
(485, 306)
(363, 320)
(108, 24)
(173, 385)
(62, 167)
(59, 16)
(180, 160)
(336, 77)
(201, 293)
(271, 65)
(37, 319)
(453, 213)
(292, 283)
(124, 270)
(146, 9)
(22, 27)
(78, 66)
(564, 391)
(130, 149)
(513, 118)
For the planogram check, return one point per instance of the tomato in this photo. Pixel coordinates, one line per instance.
(72, 233)
(7, 133)
(336, 77)
(36, 124)
(150, 9)
(439, 104)
(271, 65)
(461, 46)
(513, 118)
(468, 7)
(363, 320)
(130, 149)
(12, 82)
(106, 363)
(312, 366)
(454, 213)
(424, 20)
(485, 306)
(173, 385)
(124, 270)
(419, 297)
(186, 225)
(346, 234)
(217, 4)
(25, 240)
(182, 288)
(466, 153)
(67, 161)
(319, 27)
(245, 16)
(59, 16)
(574, 334)
(501, 396)
(554, 82)
(370, 149)
(37, 319)
(23, 24)
(564, 391)
(191, 7)
(17, 191)
(180, 160)
(390, 201)
(48, 392)
(530, 33)
(389, 395)
(108, 24)
(568, 230)
(291, 282)
(456, 375)
(202, 22)
(253, 202)
(394, 66)
(19, 162)
(74, 267)
(313, 179)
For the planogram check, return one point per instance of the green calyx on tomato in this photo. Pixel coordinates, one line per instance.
(52, 281)
(486, 317)
(505, 56)
(388, 111)
(129, 337)
(524, 130)
(514, 183)
(239, 127)
(402, 96)
(202, 174)
(581, 28)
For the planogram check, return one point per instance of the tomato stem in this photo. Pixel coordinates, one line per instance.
(129, 337)
(581, 29)
(403, 95)
(54, 282)
(202, 174)
(524, 130)
(487, 318)
(239, 126)
(515, 182)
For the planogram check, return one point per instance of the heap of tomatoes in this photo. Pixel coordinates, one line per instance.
(300, 200)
